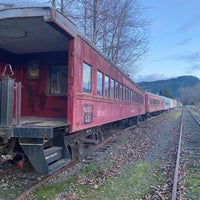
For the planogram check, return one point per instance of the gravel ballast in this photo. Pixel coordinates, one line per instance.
(138, 164)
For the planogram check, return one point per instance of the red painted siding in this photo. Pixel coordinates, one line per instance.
(153, 107)
(89, 109)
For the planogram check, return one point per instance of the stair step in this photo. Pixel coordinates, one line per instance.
(58, 165)
(52, 154)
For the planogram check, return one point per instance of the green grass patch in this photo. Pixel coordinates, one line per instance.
(177, 115)
(88, 169)
(10, 194)
(194, 181)
(50, 191)
(133, 183)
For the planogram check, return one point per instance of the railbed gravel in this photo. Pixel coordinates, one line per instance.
(153, 141)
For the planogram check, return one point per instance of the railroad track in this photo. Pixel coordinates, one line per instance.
(99, 148)
(187, 173)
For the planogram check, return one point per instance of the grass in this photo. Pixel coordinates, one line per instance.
(194, 185)
(88, 169)
(193, 191)
(50, 191)
(133, 183)
(11, 193)
(176, 115)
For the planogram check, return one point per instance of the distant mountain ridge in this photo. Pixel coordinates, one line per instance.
(174, 84)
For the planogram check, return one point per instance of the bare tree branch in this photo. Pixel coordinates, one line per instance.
(116, 27)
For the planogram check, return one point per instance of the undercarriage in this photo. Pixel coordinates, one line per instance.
(7, 147)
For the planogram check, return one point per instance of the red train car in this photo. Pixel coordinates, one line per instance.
(102, 94)
(154, 104)
(66, 87)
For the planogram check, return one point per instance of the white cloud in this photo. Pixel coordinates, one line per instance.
(151, 77)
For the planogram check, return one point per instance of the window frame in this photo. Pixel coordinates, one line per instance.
(102, 79)
(116, 90)
(120, 91)
(107, 86)
(112, 88)
(58, 68)
(87, 90)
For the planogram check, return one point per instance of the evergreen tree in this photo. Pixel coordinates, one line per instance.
(167, 92)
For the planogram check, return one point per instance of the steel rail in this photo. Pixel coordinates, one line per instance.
(189, 111)
(174, 191)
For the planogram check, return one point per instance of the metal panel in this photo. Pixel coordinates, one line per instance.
(33, 132)
(7, 102)
(19, 86)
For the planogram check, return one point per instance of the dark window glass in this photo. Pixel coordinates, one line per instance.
(107, 86)
(155, 101)
(112, 88)
(116, 90)
(120, 92)
(138, 98)
(129, 95)
(87, 78)
(124, 93)
(57, 79)
(99, 83)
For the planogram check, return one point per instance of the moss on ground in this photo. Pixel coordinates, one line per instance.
(12, 192)
(133, 183)
(51, 190)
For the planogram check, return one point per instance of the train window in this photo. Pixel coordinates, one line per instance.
(99, 83)
(154, 101)
(107, 86)
(87, 78)
(57, 79)
(128, 94)
(131, 97)
(120, 92)
(116, 90)
(124, 93)
(112, 88)
(138, 98)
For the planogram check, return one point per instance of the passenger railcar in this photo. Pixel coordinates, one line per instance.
(169, 103)
(102, 94)
(154, 104)
(56, 83)
(57, 90)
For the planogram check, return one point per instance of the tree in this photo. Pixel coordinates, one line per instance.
(190, 95)
(166, 92)
(115, 27)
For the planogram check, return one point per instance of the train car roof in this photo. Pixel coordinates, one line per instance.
(34, 29)
(39, 29)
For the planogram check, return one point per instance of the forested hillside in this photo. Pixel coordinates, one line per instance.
(185, 87)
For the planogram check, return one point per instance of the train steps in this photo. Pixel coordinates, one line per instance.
(54, 159)
(46, 161)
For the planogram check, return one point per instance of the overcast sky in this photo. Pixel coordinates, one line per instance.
(174, 48)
